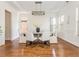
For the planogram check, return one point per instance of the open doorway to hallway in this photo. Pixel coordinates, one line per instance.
(7, 26)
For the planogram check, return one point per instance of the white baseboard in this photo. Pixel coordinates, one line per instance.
(71, 42)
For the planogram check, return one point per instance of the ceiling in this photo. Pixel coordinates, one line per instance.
(51, 6)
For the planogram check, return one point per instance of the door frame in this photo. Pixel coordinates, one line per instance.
(9, 23)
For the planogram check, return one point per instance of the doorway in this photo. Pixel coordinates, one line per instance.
(7, 26)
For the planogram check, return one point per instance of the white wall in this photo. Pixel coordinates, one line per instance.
(3, 6)
(36, 21)
(68, 28)
(40, 21)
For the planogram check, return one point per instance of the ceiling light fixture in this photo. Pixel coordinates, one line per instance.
(38, 12)
(38, 2)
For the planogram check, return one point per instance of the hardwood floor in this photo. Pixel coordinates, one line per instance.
(62, 49)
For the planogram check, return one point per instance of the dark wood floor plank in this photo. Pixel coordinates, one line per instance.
(62, 49)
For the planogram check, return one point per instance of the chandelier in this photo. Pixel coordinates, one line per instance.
(38, 12)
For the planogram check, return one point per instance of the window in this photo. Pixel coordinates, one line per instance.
(77, 21)
(53, 25)
(54, 21)
(61, 21)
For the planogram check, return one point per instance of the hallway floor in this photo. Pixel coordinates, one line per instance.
(62, 49)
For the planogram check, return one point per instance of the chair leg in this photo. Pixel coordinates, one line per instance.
(28, 43)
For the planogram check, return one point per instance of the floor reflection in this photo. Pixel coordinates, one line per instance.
(62, 49)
